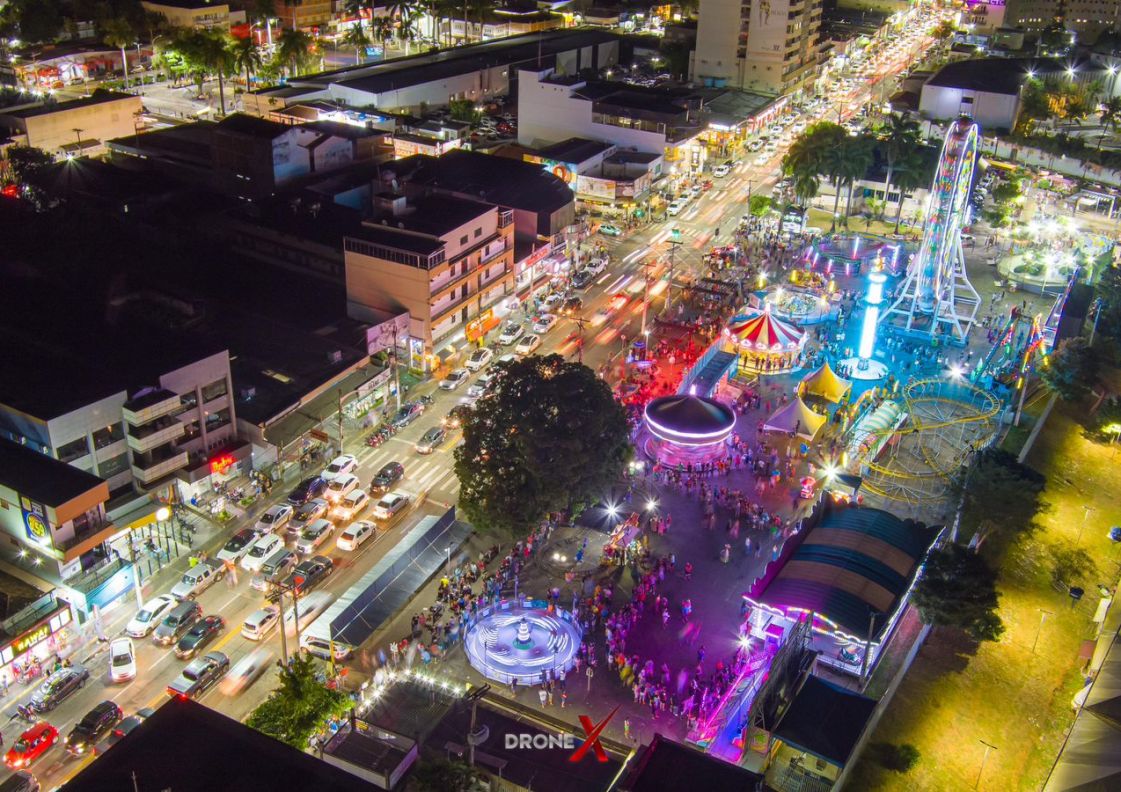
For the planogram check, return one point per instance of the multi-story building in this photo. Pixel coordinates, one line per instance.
(447, 261)
(191, 13)
(77, 127)
(1087, 18)
(304, 14)
(762, 45)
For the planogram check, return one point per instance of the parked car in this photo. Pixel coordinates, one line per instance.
(720, 171)
(544, 323)
(237, 546)
(527, 345)
(260, 623)
(246, 671)
(199, 675)
(148, 617)
(323, 649)
(454, 379)
(479, 359)
(311, 487)
(275, 567)
(274, 518)
(340, 465)
(351, 506)
(384, 479)
(609, 229)
(94, 725)
(341, 486)
(197, 579)
(597, 265)
(259, 551)
(56, 688)
(178, 620)
(391, 505)
(408, 413)
(307, 514)
(202, 633)
(313, 536)
(311, 607)
(355, 535)
(510, 333)
(431, 440)
(32, 744)
(571, 306)
(122, 660)
(582, 279)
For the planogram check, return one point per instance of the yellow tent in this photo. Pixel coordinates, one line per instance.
(795, 417)
(825, 383)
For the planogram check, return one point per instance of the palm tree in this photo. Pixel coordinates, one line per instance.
(294, 51)
(217, 56)
(856, 162)
(898, 135)
(407, 30)
(118, 32)
(382, 28)
(247, 58)
(1111, 117)
(909, 175)
(357, 37)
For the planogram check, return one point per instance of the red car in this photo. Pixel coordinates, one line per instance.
(618, 301)
(32, 744)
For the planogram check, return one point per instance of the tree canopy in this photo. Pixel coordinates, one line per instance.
(548, 436)
(1002, 499)
(446, 775)
(958, 589)
(299, 706)
(1072, 368)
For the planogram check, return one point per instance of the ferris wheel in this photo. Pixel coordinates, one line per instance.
(936, 296)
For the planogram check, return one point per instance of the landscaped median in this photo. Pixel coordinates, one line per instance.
(1006, 704)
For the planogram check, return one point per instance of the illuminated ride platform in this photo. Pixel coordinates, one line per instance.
(687, 429)
(521, 640)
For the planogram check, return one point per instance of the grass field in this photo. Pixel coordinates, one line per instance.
(1015, 694)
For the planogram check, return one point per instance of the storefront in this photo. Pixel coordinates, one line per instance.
(39, 633)
(216, 472)
(533, 269)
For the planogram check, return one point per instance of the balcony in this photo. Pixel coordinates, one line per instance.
(84, 539)
(157, 433)
(147, 408)
(158, 465)
(505, 218)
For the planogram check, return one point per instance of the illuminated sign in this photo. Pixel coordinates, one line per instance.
(35, 522)
(25, 642)
(478, 326)
(221, 463)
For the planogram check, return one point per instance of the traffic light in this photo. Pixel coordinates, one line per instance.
(676, 234)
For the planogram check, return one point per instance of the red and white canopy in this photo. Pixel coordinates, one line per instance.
(765, 333)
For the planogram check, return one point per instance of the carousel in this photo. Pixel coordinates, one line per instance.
(763, 343)
(685, 428)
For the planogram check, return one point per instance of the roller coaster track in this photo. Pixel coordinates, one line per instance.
(947, 421)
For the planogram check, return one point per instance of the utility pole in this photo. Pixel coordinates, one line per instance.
(580, 322)
(868, 647)
(340, 420)
(646, 265)
(984, 759)
(674, 244)
(283, 639)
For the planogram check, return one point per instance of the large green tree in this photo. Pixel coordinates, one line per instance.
(446, 775)
(299, 706)
(1072, 368)
(549, 436)
(1001, 500)
(899, 137)
(957, 589)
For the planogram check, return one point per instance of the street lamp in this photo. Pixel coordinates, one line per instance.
(1115, 430)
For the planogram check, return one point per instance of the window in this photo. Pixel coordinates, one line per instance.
(73, 450)
(463, 240)
(189, 400)
(190, 431)
(114, 466)
(214, 390)
(108, 436)
(478, 233)
(217, 420)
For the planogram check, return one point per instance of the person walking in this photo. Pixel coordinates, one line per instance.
(543, 695)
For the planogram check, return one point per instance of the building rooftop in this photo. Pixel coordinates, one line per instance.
(397, 73)
(369, 747)
(252, 126)
(825, 720)
(41, 478)
(188, 4)
(732, 107)
(997, 75)
(100, 96)
(392, 237)
(575, 150)
(188, 747)
(668, 766)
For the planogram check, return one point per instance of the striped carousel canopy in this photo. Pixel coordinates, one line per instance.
(765, 333)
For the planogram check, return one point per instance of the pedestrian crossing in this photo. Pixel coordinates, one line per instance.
(422, 473)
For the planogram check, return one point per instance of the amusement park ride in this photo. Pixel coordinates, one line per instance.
(936, 298)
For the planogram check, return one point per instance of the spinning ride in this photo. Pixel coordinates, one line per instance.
(522, 641)
(684, 428)
(936, 298)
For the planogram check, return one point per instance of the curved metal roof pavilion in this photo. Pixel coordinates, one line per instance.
(688, 420)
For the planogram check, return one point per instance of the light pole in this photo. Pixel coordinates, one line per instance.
(985, 758)
(1085, 515)
(1043, 614)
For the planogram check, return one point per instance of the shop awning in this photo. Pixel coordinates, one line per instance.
(313, 412)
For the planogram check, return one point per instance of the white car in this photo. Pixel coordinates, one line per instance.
(544, 323)
(720, 171)
(675, 207)
(274, 519)
(246, 671)
(339, 466)
(318, 647)
(527, 345)
(597, 265)
(391, 505)
(122, 660)
(314, 535)
(260, 623)
(479, 358)
(310, 607)
(150, 616)
(352, 505)
(259, 551)
(197, 579)
(454, 379)
(476, 390)
(340, 487)
(510, 333)
(355, 535)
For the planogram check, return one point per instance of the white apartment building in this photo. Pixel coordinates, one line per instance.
(761, 45)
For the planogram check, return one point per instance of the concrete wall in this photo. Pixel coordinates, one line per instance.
(718, 31)
(475, 85)
(207, 15)
(191, 379)
(101, 121)
(387, 286)
(992, 111)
